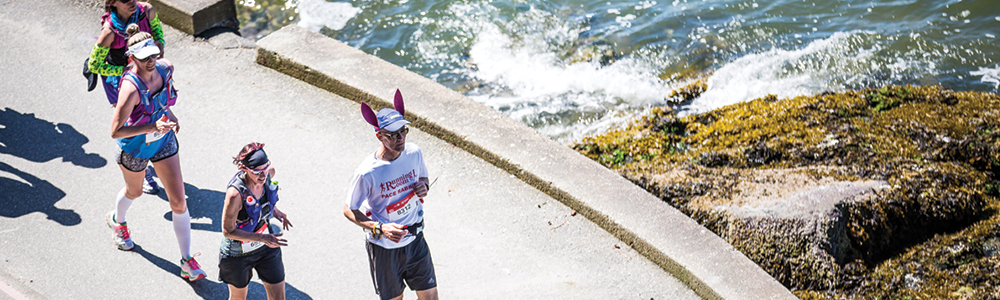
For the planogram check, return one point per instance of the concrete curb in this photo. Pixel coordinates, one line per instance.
(196, 16)
(696, 256)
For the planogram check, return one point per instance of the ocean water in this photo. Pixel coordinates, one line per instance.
(572, 68)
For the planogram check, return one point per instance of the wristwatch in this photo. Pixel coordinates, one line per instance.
(377, 230)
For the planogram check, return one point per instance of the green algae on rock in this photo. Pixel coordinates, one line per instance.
(935, 150)
(688, 92)
(958, 265)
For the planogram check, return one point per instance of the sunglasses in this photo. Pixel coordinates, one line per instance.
(125, 1)
(143, 60)
(397, 134)
(261, 171)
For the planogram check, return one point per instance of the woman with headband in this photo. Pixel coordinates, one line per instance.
(108, 56)
(144, 128)
(249, 242)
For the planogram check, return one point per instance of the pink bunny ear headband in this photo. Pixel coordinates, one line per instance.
(386, 117)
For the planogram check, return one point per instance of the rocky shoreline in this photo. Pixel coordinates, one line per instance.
(877, 193)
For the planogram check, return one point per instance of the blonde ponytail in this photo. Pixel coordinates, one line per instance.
(135, 36)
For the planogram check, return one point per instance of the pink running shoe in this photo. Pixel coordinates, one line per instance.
(120, 232)
(190, 269)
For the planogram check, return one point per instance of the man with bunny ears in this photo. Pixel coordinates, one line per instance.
(385, 198)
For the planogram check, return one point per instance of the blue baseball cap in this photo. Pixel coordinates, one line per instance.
(390, 119)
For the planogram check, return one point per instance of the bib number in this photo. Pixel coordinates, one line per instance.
(397, 211)
(251, 246)
(154, 136)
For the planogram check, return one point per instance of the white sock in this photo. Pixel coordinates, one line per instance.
(121, 206)
(182, 228)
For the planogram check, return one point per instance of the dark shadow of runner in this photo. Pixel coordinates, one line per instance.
(201, 204)
(31, 194)
(37, 140)
(207, 289)
(257, 291)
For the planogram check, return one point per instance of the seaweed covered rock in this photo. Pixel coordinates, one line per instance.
(807, 229)
(959, 265)
(931, 152)
(688, 92)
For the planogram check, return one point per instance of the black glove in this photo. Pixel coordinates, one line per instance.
(91, 77)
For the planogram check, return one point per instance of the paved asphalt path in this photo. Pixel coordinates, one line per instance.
(491, 235)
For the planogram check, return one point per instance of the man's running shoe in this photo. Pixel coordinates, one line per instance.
(190, 269)
(119, 232)
(149, 186)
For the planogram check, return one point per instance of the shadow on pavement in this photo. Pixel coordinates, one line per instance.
(37, 140)
(207, 289)
(256, 291)
(27, 194)
(201, 204)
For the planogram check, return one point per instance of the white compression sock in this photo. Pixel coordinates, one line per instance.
(121, 206)
(182, 228)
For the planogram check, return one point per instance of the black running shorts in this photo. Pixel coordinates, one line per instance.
(391, 267)
(237, 270)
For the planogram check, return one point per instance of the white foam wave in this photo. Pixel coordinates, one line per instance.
(989, 75)
(316, 14)
(833, 64)
(536, 82)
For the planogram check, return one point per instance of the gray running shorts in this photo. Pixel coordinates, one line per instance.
(139, 164)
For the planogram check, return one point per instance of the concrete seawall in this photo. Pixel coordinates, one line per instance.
(696, 256)
(195, 17)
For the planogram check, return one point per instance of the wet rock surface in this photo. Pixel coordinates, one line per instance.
(878, 193)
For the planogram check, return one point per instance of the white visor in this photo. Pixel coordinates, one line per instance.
(144, 49)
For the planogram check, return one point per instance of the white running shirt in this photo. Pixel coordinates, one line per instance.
(387, 186)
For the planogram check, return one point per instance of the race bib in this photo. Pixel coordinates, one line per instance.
(154, 136)
(251, 246)
(399, 209)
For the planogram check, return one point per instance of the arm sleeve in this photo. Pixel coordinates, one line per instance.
(358, 191)
(156, 28)
(99, 66)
